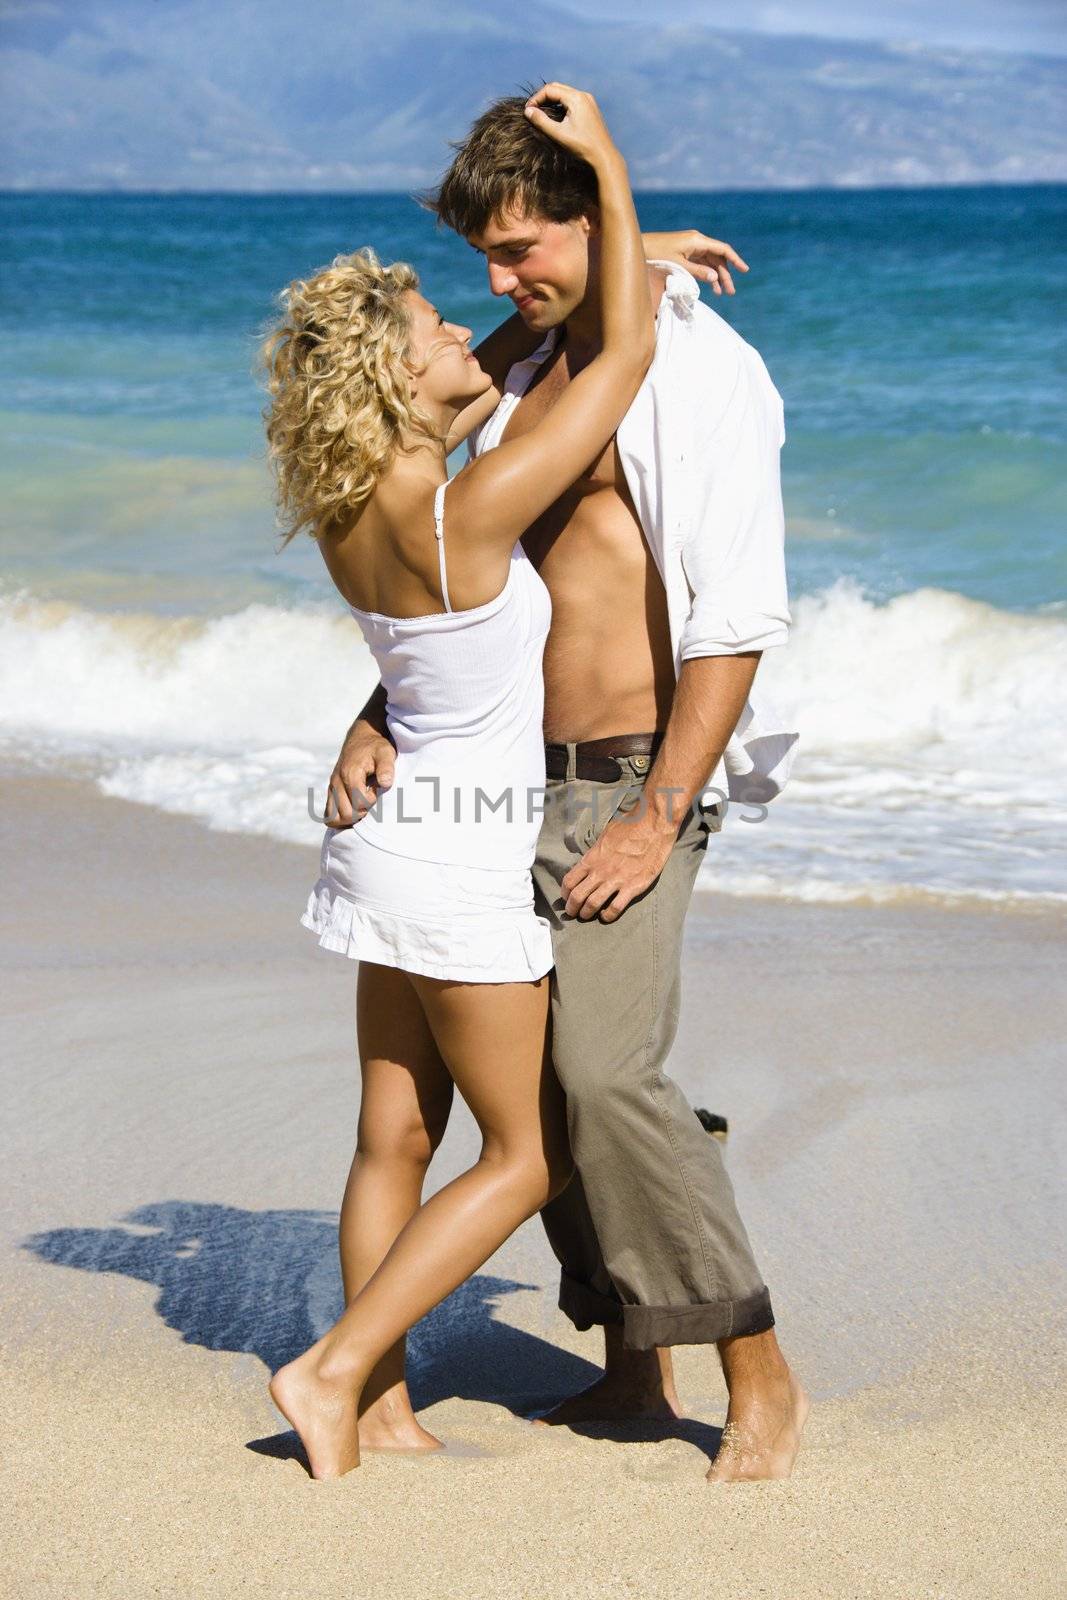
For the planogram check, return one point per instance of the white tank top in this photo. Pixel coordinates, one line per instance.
(465, 708)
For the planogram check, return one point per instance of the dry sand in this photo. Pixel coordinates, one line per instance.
(181, 1096)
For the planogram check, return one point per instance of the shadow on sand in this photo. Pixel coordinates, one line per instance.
(267, 1283)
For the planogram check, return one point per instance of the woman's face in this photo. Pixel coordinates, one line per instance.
(443, 369)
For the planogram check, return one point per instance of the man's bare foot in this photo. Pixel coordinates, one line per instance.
(606, 1401)
(324, 1412)
(762, 1433)
(637, 1386)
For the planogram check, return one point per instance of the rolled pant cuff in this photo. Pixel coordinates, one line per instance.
(647, 1327)
(586, 1307)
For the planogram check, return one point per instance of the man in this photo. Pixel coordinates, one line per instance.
(665, 566)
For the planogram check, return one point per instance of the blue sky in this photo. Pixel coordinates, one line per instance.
(1038, 26)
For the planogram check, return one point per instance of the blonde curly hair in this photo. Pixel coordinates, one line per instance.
(340, 403)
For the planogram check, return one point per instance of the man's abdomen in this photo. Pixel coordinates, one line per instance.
(608, 662)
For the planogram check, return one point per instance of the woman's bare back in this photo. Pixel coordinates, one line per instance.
(386, 560)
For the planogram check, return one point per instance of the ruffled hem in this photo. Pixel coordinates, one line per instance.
(480, 948)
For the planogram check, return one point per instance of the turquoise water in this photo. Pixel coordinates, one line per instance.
(920, 344)
(919, 340)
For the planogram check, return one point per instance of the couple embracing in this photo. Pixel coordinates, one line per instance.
(566, 635)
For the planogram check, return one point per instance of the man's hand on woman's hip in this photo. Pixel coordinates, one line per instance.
(365, 766)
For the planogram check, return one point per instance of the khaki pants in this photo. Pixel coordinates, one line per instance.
(647, 1231)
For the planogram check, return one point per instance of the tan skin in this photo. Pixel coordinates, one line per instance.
(405, 1107)
(607, 667)
(588, 544)
(602, 677)
(420, 1253)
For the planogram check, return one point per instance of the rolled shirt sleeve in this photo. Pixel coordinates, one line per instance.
(734, 551)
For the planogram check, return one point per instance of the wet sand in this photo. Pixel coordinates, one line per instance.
(181, 1095)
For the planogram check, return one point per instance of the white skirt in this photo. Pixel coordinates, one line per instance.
(471, 924)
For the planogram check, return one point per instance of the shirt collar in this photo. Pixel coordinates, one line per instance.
(681, 291)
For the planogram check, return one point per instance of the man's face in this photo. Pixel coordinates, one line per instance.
(542, 266)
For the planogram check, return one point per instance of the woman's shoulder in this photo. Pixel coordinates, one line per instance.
(386, 550)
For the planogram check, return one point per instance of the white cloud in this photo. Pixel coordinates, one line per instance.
(1038, 26)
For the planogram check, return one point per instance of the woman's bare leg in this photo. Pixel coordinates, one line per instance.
(406, 1099)
(493, 1038)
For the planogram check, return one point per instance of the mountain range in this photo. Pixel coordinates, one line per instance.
(332, 95)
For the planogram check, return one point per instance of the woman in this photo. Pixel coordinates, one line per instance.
(370, 389)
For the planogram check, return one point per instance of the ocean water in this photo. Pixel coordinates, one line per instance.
(153, 637)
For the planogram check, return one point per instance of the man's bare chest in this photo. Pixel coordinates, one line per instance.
(603, 470)
(595, 511)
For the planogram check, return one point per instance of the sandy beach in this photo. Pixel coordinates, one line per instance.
(181, 1094)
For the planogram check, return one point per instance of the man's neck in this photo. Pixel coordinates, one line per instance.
(583, 329)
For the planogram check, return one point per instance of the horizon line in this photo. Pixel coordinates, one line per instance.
(8, 192)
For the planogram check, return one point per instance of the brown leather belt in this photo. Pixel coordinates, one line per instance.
(594, 758)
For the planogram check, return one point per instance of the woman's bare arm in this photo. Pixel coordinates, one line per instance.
(709, 260)
(513, 341)
(497, 497)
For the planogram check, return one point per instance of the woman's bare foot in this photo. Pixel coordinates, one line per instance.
(387, 1425)
(323, 1409)
(762, 1433)
(387, 1418)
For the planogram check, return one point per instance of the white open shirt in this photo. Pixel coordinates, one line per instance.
(699, 447)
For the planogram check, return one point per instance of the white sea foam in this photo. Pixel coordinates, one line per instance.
(932, 755)
(252, 680)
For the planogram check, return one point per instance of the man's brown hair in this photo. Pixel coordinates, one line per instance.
(505, 161)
